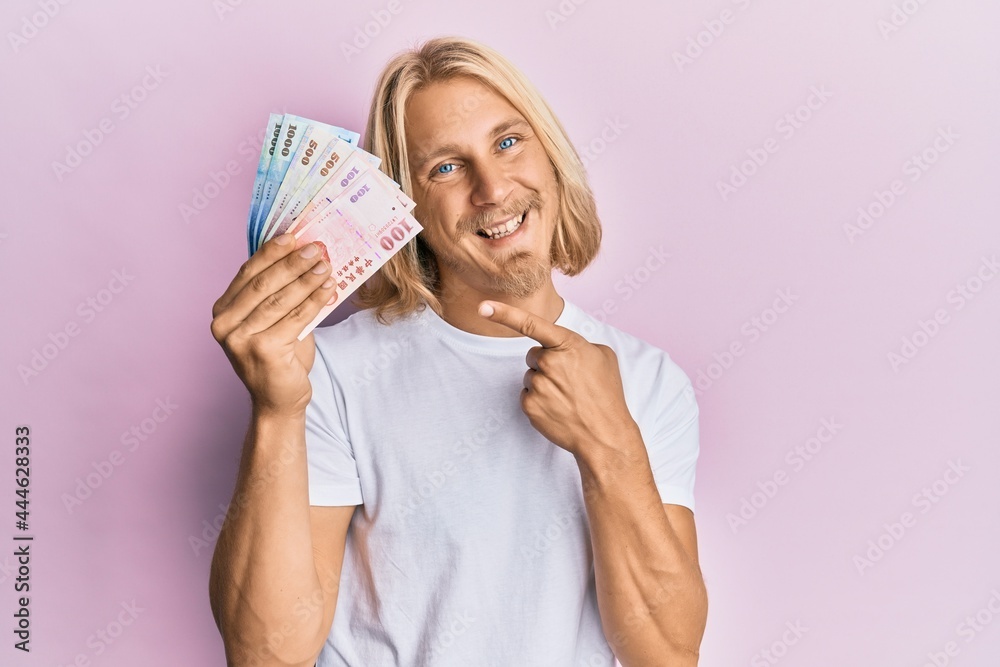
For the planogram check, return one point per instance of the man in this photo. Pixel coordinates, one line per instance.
(470, 470)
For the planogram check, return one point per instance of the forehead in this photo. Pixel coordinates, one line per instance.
(456, 110)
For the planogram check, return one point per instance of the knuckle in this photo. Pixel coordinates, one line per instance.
(217, 330)
(244, 269)
(258, 283)
(529, 328)
(233, 342)
(273, 301)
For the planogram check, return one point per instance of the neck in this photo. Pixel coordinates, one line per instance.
(460, 308)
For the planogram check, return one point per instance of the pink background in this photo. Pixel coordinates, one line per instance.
(671, 134)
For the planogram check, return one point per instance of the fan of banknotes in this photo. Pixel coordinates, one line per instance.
(315, 182)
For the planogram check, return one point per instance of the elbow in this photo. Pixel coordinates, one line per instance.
(269, 649)
(673, 655)
(683, 644)
(240, 656)
(253, 641)
(216, 588)
(683, 657)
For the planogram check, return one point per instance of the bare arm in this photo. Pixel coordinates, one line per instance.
(276, 567)
(651, 594)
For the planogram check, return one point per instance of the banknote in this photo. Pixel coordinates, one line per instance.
(290, 135)
(312, 148)
(350, 168)
(297, 189)
(322, 170)
(298, 167)
(314, 181)
(365, 198)
(324, 167)
(266, 151)
(356, 248)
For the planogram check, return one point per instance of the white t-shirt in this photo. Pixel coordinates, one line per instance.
(471, 545)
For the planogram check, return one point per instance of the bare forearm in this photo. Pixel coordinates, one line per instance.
(650, 592)
(263, 569)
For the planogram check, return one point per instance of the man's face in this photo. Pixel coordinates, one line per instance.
(477, 164)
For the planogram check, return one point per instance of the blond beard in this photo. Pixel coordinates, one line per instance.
(518, 275)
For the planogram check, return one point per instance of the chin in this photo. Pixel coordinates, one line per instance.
(525, 278)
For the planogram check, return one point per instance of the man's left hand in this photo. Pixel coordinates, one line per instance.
(572, 391)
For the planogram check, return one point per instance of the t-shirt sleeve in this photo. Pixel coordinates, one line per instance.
(673, 446)
(333, 471)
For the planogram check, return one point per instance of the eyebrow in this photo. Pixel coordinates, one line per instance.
(499, 129)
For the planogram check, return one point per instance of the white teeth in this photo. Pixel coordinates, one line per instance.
(505, 229)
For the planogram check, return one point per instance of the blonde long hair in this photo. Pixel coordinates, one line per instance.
(411, 275)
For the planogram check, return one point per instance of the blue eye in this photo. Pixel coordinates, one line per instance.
(508, 145)
(441, 169)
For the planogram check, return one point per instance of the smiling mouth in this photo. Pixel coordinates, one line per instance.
(499, 231)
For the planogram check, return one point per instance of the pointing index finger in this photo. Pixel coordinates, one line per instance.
(527, 324)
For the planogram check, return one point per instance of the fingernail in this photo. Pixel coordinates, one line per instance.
(486, 310)
(284, 239)
(309, 251)
(328, 284)
(322, 267)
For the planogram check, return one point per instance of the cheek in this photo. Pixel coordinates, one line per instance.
(439, 225)
(537, 166)
(445, 210)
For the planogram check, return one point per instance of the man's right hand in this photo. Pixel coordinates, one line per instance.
(275, 294)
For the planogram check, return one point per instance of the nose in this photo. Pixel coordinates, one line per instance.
(491, 184)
